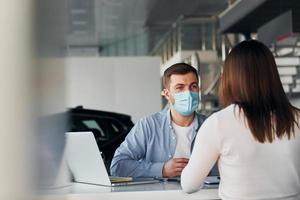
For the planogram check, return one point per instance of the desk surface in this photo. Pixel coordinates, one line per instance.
(157, 191)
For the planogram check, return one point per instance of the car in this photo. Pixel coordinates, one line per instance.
(109, 128)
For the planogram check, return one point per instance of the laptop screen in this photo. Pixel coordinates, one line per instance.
(84, 159)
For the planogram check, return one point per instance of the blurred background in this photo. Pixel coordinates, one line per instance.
(97, 65)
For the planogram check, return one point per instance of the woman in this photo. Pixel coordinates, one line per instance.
(255, 138)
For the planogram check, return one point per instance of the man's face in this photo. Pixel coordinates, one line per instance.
(181, 83)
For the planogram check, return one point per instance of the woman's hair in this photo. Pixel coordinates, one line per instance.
(251, 81)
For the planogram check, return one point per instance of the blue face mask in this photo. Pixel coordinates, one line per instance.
(186, 102)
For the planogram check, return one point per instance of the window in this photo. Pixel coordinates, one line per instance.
(92, 124)
(104, 128)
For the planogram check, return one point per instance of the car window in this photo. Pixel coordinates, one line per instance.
(116, 129)
(92, 124)
(111, 126)
(106, 127)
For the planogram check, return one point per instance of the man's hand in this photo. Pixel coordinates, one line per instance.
(174, 167)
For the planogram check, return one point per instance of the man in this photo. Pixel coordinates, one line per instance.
(160, 144)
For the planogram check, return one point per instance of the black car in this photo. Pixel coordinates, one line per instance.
(109, 128)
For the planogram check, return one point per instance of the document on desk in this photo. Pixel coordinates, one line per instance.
(176, 179)
(117, 179)
(210, 180)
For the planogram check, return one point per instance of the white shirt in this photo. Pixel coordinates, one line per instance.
(248, 169)
(183, 140)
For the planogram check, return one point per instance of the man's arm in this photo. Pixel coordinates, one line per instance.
(129, 158)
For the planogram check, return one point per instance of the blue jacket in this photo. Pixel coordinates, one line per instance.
(149, 144)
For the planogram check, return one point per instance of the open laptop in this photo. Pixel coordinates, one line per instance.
(85, 162)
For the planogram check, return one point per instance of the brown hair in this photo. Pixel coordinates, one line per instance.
(251, 81)
(178, 68)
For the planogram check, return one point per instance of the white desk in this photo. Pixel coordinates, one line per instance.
(157, 191)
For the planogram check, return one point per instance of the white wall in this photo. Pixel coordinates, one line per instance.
(129, 85)
(51, 85)
(16, 117)
(295, 102)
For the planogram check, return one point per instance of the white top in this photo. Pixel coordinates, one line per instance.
(183, 139)
(248, 169)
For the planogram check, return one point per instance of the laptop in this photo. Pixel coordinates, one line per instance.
(86, 164)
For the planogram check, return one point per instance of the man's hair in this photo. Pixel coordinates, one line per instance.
(178, 68)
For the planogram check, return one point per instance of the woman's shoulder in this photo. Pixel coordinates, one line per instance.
(227, 112)
(225, 118)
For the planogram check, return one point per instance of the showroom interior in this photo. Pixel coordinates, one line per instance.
(97, 65)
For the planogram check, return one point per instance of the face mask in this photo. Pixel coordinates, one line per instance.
(186, 102)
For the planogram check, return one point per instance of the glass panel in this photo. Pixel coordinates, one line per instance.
(92, 124)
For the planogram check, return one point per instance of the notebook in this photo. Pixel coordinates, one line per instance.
(86, 164)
